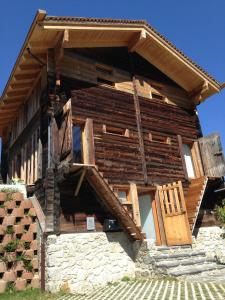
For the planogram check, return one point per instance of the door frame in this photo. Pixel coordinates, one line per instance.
(196, 157)
(152, 194)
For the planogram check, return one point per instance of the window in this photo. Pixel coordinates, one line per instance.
(116, 130)
(159, 139)
(122, 195)
(157, 96)
(77, 144)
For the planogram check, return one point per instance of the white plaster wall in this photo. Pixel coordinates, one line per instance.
(84, 261)
(210, 240)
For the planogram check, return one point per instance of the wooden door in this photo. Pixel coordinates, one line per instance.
(64, 139)
(174, 214)
(212, 155)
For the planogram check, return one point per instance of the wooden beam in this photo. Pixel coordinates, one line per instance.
(197, 94)
(137, 41)
(138, 122)
(160, 219)
(26, 85)
(26, 76)
(31, 67)
(180, 144)
(80, 182)
(135, 204)
(17, 93)
(88, 143)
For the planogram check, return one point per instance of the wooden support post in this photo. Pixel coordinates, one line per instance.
(135, 203)
(180, 144)
(138, 122)
(88, 143)
(160, 219)
(156, 223)
(80, 182)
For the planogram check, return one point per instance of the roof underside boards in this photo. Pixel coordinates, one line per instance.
(47, 32)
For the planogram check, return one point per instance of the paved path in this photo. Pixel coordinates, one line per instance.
(156, 290)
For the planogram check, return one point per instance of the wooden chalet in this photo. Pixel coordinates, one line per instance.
(99, 119)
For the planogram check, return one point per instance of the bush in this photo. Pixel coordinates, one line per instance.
(220, 212)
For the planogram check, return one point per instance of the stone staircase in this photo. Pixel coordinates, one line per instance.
(184, 262)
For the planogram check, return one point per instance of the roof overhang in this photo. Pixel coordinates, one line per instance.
(48, 32)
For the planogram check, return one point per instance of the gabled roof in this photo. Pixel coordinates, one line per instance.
(71, 32)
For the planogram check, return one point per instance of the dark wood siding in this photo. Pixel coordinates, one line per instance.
(118, 156)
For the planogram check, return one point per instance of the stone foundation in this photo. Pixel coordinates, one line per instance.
(211, 241)
(81, 262)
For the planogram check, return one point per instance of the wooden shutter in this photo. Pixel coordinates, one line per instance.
(64, 122)
(212, 155)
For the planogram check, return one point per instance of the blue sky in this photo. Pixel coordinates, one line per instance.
(197, 27)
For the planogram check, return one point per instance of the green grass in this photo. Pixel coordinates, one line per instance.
(30, 294)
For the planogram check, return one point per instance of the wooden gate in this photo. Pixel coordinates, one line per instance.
(174, 214)
(212, 155)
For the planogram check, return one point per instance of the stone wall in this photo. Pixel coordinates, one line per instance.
(210, 240)
(84, 261)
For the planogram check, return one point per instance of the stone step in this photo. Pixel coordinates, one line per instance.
(190, 270)
(183, 262)
(178, 255)
(165, 248)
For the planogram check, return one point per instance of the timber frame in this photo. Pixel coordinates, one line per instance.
(90, 113)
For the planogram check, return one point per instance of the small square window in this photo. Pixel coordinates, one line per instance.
(122, 195)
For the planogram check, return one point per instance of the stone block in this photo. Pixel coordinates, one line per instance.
(34, 245)
(33, 228)
(2, 230)
(9, 276)
(32, 212)
(18, 212)
(9, 220)
(28, 237)
(26, 220)
(2, 197)
(35, 282)
(18, 229)
(27, 275)
(29, 253)
(10, 204)
(10, 256)
(2, 212)
(20, 284)
(7, 239)
(2, 267)
(3, 285)
(35, 263)
(18, 266)
(26, 204)
(18, 197)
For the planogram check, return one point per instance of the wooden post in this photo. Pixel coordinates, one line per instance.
(160, 219)
(135, 204)
(88, 143)
(138, 122)
(180, 144)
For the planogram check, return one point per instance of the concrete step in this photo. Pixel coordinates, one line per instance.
(193, 269)
(178, 255)
(183, 262)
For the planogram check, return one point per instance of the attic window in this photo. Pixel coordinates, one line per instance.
(115, 130)
(159, 139)
(157, 96)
